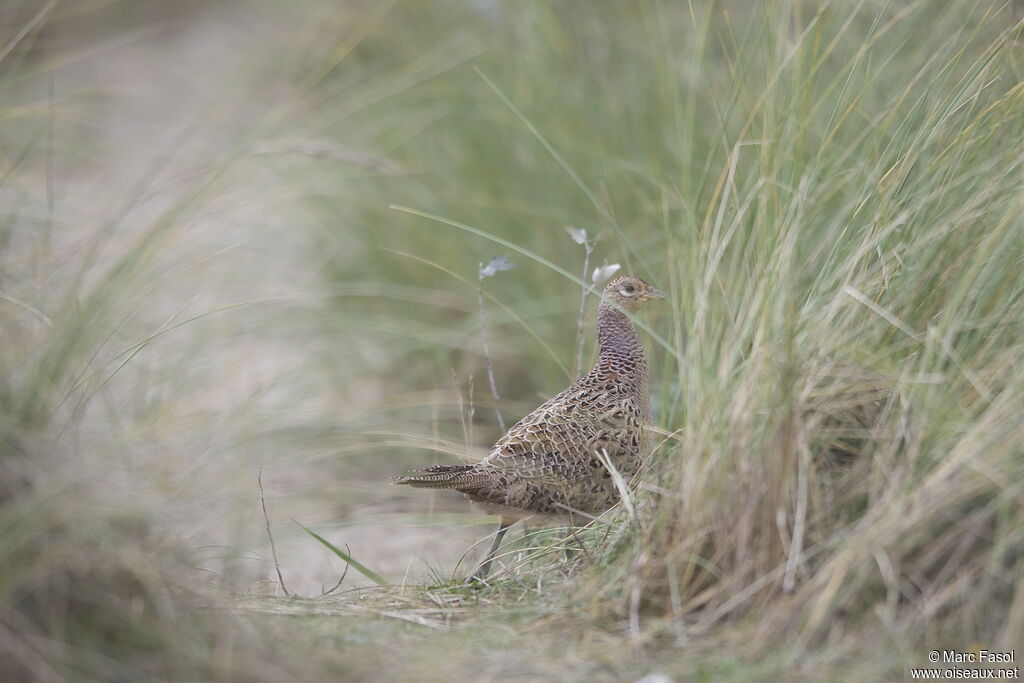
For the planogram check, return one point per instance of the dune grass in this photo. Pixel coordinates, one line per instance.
(829, 193)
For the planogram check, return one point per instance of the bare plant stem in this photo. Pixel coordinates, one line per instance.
(48, 234)
(462, 409)
(343, 575)
(487, 353)
(589, 248)
(273, 548)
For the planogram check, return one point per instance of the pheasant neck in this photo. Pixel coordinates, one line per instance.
(621, 357)
(616, 335)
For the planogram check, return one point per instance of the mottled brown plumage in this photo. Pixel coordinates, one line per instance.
(549, 466)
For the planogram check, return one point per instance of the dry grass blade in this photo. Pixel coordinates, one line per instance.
(270, 535)
(620, 484)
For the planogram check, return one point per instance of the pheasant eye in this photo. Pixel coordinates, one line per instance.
(628, 289)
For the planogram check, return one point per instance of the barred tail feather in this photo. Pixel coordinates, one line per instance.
(441, 477)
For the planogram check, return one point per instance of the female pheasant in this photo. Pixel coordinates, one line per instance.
(550, 466)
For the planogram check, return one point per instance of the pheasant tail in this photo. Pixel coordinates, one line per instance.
(442, 477)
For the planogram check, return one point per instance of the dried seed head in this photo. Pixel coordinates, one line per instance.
(603, 272)
(494, 266)
(578, 235)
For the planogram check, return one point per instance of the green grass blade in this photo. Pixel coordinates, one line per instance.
(493, 299)
(358, 566)
(673, 352)
(601, 208)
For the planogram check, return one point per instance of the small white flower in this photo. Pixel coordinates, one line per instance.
(602, 273)
(496, 265)
(578, 235)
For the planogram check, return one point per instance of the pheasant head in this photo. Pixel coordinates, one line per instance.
(630, 293)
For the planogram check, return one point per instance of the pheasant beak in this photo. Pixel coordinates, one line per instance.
(654, 294)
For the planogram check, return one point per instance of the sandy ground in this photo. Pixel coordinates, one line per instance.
(187, 425)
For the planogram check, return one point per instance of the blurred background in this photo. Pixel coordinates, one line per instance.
(242, 240)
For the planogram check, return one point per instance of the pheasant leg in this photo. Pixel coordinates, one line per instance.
(481, 573)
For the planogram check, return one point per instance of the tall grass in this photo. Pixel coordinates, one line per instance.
(848, 394)
(830, 194)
